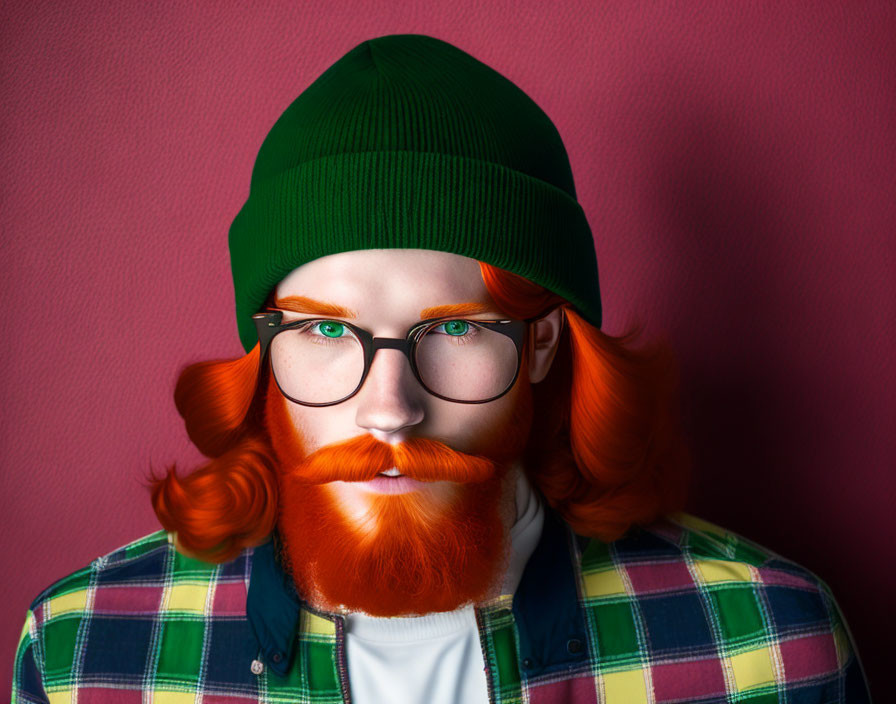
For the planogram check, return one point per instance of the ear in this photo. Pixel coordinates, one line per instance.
(543, 339)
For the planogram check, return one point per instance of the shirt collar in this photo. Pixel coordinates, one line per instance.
(272, 608)
(548, 613)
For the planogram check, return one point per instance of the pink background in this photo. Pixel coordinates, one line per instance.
(736, 165)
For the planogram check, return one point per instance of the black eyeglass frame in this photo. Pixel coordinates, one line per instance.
(269, 324)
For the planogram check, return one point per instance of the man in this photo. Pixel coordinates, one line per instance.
(432, 477)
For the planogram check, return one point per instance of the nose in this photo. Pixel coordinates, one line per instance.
(391, 398)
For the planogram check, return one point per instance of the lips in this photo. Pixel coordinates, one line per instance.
(394, 483)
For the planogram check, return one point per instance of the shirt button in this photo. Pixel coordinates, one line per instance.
(574, 645)
(257, 667)
(277, 657)
(527, 664)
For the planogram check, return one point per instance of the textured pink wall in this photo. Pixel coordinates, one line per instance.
(736, 165)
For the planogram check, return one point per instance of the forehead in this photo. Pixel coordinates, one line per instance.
(371, 280)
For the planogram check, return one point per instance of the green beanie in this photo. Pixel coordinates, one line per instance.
(409, 142)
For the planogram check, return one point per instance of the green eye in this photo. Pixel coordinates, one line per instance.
(456, 327)
(330, 328)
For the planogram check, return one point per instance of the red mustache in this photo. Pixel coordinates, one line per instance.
(362, 458)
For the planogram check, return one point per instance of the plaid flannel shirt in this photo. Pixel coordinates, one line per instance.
(678, 611)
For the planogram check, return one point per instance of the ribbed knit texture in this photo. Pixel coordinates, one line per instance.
(409, 142)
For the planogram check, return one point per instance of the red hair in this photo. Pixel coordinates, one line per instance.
(231, 502)
(606, 448)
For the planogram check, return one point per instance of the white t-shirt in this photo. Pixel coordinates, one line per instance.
(437, 658)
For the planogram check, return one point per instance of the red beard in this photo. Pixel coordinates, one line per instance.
(408, 554)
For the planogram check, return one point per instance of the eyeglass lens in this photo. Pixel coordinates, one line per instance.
(323, 361)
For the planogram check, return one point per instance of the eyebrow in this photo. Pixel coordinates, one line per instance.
(455, 309)
(304, 304)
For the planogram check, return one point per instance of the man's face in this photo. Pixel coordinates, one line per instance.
(389, 291)
(377, 527)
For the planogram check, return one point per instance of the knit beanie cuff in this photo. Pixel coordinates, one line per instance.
(409, 199)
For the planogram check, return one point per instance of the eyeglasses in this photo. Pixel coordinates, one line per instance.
(322, 362)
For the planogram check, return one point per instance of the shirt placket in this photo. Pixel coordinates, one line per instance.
(500, 651)
(318, 672)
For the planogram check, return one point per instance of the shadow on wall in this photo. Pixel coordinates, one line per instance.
(744, 234)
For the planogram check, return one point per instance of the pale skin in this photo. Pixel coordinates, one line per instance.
(387, 291)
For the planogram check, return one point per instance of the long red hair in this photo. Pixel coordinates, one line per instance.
(606, 448)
